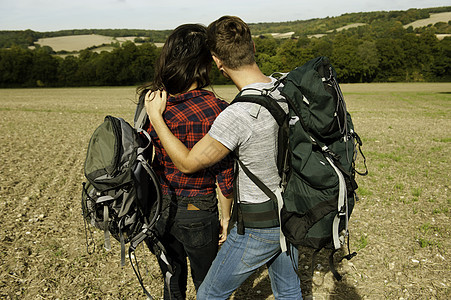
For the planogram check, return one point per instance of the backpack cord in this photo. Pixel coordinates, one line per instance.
(87, 228)
(137, 272)
(350, 255)
(156, 182)
(359, 144)
(86, 238)
(343, 129)
(332, 266)
(158, 249)
(122, 241)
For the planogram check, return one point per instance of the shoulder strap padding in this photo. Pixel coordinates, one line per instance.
(267, 102)
(140, 118)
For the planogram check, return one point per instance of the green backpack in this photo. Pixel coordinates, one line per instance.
(122, 193)
(316, 157)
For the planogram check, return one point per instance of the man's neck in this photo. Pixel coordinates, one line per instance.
(247, 75)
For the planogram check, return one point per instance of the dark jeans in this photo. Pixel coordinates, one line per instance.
(188, 227)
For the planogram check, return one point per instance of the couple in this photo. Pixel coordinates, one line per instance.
(195, 134)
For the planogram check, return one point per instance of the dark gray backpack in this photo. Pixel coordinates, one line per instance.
(122, 193)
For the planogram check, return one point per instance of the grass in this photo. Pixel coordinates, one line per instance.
(403, 214)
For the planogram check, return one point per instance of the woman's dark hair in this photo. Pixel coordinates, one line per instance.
(185, 59)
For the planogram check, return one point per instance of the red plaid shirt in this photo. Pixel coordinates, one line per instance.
(189, 116)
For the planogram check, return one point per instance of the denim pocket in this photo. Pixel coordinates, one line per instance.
(260, 247)
(195, 235)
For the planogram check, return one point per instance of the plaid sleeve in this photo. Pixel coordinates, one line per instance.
(225, 175)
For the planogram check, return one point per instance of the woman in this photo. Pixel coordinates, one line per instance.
(189, 225)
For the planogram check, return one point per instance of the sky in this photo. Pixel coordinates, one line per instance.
(54, 15)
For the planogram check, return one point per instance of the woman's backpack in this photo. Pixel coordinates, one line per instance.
(122, 193)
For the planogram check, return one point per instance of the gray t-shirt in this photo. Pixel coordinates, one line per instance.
(252, 130)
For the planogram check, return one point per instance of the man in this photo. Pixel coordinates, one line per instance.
(251, 132)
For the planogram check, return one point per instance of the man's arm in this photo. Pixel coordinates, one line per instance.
(205, 153)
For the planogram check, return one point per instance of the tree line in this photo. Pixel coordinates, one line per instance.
(26, 38)
(380, 51)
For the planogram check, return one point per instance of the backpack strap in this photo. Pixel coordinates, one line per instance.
(257, 181)
(342, 208)
(140, 118)
(262, 98)
(259, 97)
(158, 249)
(264, 213)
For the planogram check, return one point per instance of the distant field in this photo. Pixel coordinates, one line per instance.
(80, 42)
(348, 26)
(75, 42)
(400, 228)
(433, 18)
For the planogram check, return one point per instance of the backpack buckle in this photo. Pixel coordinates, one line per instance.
(342, 211)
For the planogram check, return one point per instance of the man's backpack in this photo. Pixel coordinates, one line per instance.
(316, 159)
(122, 193)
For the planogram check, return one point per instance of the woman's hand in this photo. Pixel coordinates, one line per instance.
(155, 103)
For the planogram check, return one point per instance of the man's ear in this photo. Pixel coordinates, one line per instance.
(254, 47)
(220, 67)
(217, 61)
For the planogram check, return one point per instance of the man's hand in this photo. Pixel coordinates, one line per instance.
(223, 231)
(155, 103)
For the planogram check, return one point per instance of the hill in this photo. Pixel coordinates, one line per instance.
(78, 39)
(364, 47)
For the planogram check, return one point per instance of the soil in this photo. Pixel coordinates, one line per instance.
(400, 227)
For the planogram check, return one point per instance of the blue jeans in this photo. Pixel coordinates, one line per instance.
(242, 255)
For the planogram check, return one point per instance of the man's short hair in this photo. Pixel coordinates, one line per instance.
(229, 39)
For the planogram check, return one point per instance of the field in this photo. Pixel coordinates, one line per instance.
(400, 227)
(79, 42)
(75, 42)
(433, 18)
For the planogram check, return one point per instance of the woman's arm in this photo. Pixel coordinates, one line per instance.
(225, 207)
(205, 153)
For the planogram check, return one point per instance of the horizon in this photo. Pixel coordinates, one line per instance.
(48, 16)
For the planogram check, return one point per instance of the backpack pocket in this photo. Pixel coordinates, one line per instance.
(313, 168)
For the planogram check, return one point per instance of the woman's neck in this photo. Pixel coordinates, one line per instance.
(192, 87)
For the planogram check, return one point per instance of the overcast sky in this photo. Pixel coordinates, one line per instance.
(54, 15)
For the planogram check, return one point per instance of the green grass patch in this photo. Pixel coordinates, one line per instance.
(362, 242)
(443, 140)
(416, 192)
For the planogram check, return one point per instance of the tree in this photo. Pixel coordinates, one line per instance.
(143, 67)
(44, 70)
(289, 56)
(67, 70)
(392, 60)
(267, 45)
(369, 60)
(15, 66)
(346, 60)
(86, 73)
(439, 68)
(322, 47)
